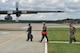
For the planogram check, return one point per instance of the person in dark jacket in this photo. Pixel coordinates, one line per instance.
(29, 35)
(72, 33)
(44, 33)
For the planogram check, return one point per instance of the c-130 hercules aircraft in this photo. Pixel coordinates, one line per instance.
(18, 12)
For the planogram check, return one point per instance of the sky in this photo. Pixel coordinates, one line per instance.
(71, 9)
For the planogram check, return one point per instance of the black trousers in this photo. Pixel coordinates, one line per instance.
(43, 38)
(29, 36)
(72, 39)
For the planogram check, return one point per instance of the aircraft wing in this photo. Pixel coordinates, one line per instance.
(28, 12)
(35, 12)
(7, 12)
(3, 12)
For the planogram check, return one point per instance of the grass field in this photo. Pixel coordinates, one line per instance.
(63, 48)
(62, 34)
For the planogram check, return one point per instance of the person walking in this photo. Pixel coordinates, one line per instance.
(44, 33)
(72, 33)
(29, 35)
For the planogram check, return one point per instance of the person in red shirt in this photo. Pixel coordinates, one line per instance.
(44, 33)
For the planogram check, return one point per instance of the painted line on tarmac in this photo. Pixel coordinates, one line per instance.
(46, 47)
(65, 42)
(5, 32)
(24, 27)
(10, 40)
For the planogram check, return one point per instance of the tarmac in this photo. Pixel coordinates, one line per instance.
(13, 39)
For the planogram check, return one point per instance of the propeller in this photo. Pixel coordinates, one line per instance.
(18, 13)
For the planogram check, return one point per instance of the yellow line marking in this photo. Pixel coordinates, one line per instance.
(10, 40)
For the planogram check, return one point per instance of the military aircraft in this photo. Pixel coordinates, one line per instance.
(18, 12)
